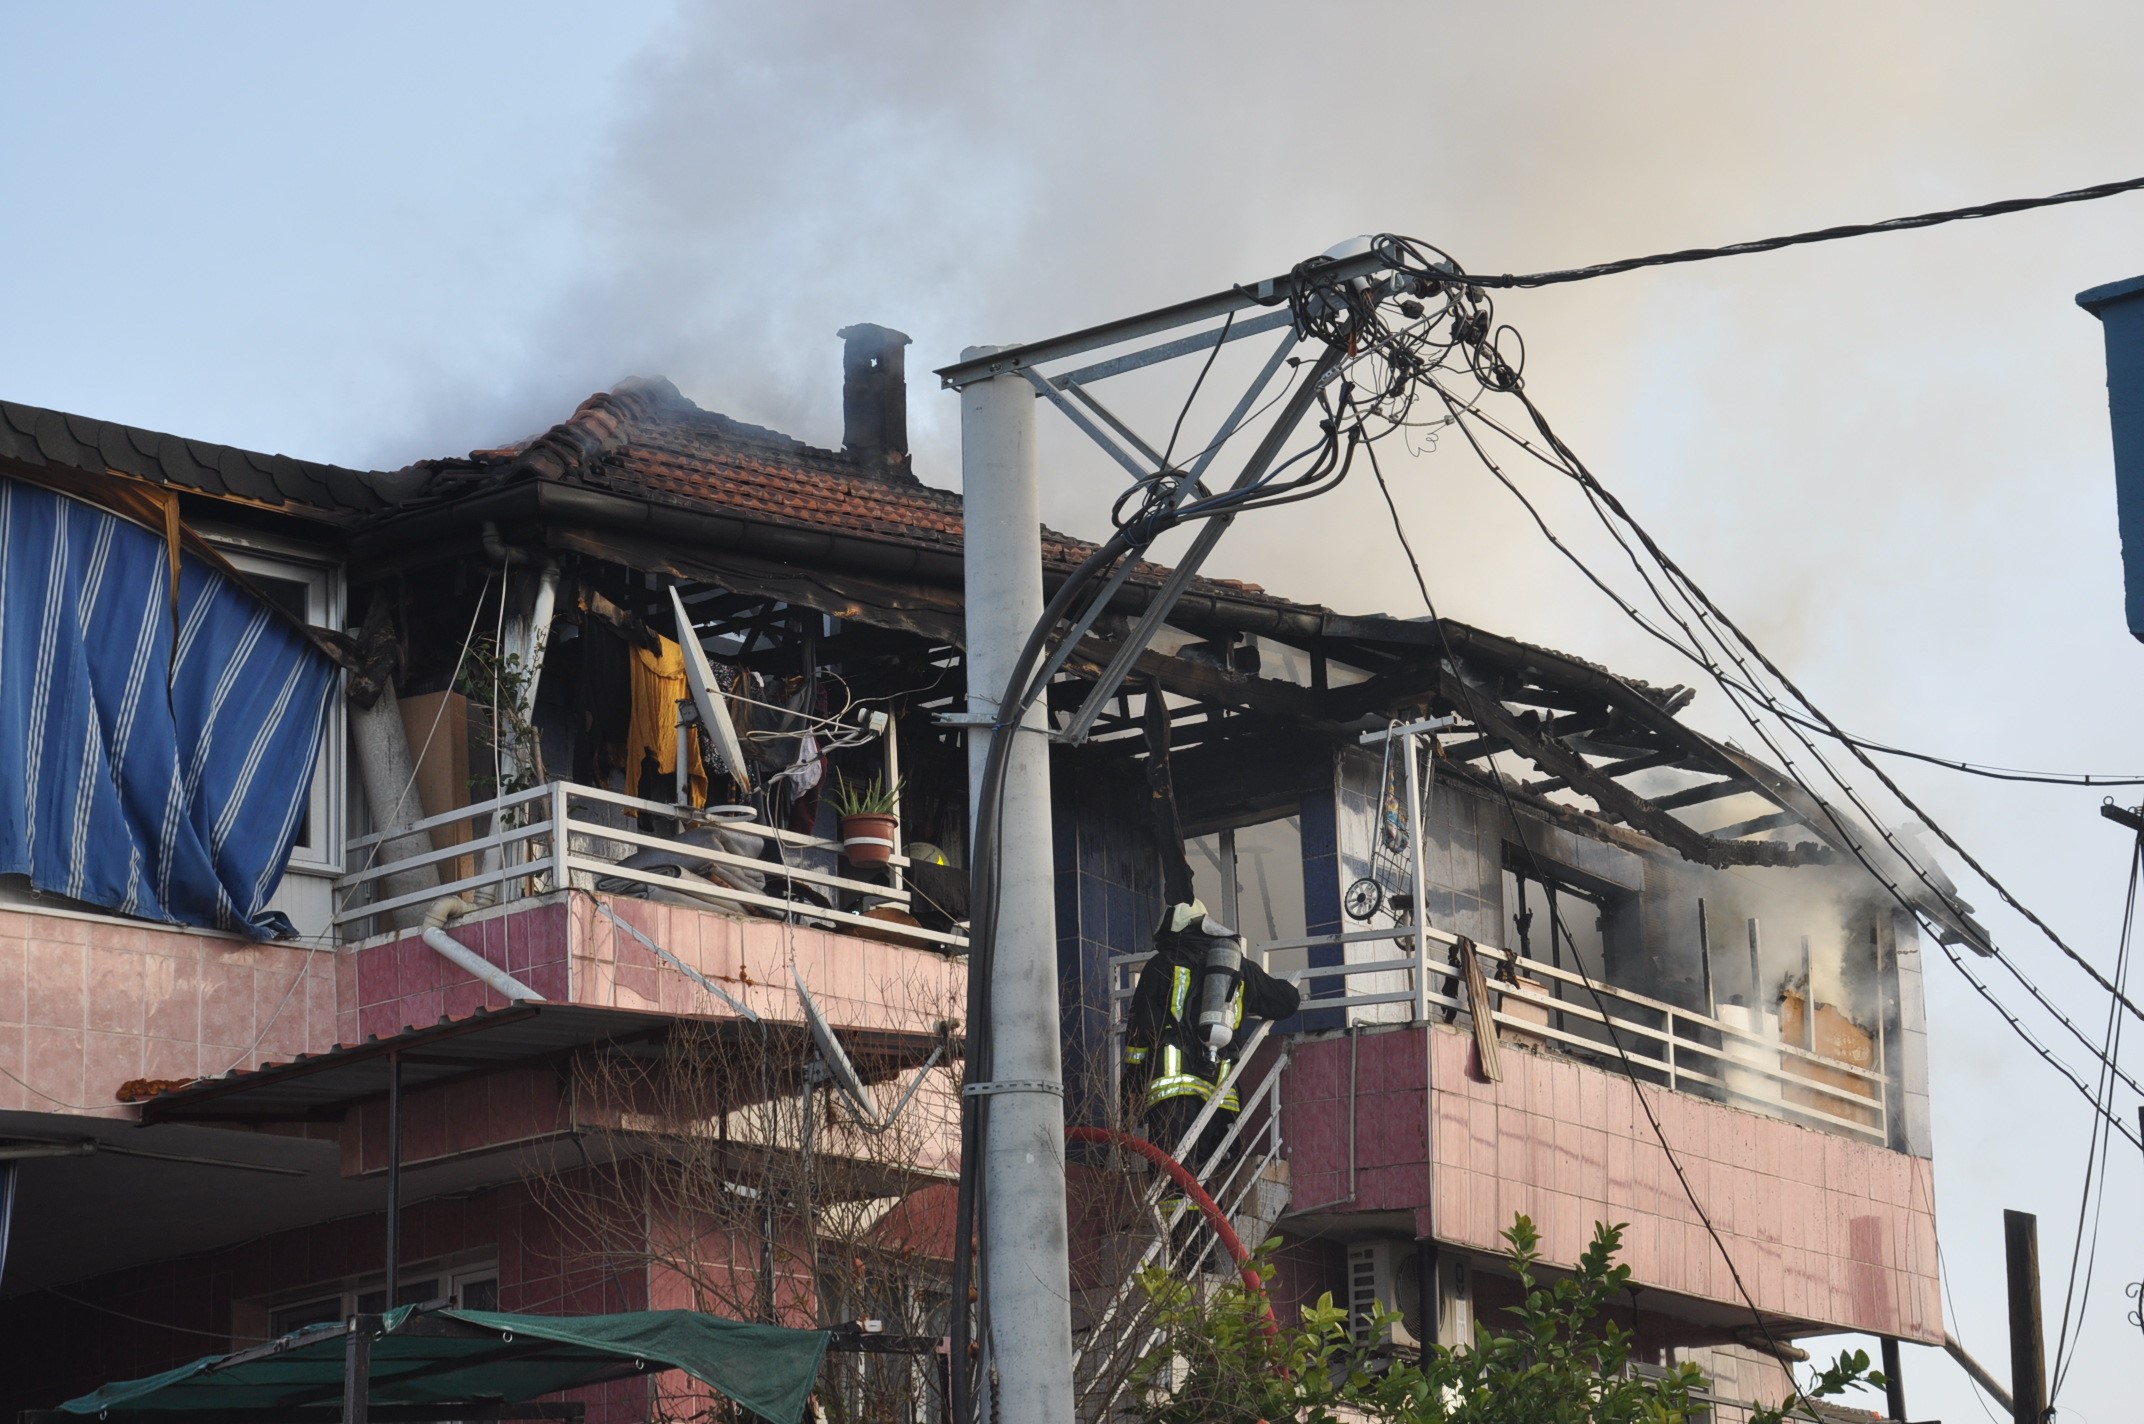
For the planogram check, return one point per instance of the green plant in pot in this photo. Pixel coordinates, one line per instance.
(869, 827)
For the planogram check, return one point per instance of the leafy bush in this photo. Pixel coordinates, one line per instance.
(1218, 1358)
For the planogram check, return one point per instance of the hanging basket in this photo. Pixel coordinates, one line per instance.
(869, 839)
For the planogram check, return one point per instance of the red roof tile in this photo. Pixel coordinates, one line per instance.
(646, 440)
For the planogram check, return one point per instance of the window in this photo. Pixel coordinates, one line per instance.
(1550, 917)
(1546, 917)
(312, 1312)
(311, 593)
(1251, 878)
(469, 1288)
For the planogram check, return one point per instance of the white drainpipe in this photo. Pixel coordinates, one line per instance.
(539, 635)
(454, 951)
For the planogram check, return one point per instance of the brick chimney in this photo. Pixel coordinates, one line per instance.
(874, 400)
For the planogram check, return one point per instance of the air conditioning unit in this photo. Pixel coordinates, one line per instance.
(1387, 1276)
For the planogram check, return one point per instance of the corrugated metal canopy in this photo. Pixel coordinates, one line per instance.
(320, 1086)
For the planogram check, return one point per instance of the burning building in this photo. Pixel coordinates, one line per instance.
(500, 843)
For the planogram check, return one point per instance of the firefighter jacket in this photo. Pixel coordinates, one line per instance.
(1161, 1040)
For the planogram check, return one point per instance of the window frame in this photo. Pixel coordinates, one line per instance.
(349, 1294)
(323, 852)
(1230, 910)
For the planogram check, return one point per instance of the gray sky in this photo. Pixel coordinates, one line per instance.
(373, 233)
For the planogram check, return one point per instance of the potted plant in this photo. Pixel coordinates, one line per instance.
(868, 823)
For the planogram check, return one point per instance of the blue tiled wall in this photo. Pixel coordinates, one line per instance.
(1108, 902)
(1321, 905)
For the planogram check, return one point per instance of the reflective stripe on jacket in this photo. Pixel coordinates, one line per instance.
(1184, 1068)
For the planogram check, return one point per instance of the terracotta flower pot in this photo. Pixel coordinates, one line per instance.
(867, 840)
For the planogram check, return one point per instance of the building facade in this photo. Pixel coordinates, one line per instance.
(567, 915)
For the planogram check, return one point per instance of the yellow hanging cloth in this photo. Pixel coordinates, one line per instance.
(658, 686)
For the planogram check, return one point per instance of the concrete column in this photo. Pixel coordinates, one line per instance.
(1023, 1168)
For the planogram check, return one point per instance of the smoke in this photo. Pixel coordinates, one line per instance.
(992, 174)
(1831, 915)
(297, 230)
(1886, 457)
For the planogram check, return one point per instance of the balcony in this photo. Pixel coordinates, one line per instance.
(562, 835)
(1396, 1106)
(1540, 1006)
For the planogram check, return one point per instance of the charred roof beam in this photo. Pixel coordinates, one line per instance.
(1709, 791)
(1667, 756)
(1756, 825)
(1477, 749)
(1559, 761)
(1555, 699)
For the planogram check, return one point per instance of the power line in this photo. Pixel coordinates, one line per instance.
(1734, 686)
(1970, 768)
(223, 1335)
(1774, 244)
(1992, 773)
(1708, 612)
(1472, 313)
(1704, 606)
(1168, 452)
(2094, 1192)
(1600, 1005)
(2035, 1045)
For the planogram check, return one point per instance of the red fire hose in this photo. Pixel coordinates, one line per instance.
(1181, 1175)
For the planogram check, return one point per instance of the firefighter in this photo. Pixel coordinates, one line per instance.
(1198, 1000)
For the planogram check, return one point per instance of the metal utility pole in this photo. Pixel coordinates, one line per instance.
(2028, 1347)
(393, 1283)
(1894, 1382)
(1029, 1345)
(1019, 1111)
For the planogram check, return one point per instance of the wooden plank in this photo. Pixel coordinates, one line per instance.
(1481, 1011)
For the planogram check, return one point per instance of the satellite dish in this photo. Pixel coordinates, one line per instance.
(707, 696)
(838, 1066)
(842, 1073)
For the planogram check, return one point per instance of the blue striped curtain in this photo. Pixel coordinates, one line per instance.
(169, 787)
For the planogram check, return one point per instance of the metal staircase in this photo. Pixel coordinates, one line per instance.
(1246, 1176)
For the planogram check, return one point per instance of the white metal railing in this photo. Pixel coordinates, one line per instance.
(563, 834)
(1678, 1048)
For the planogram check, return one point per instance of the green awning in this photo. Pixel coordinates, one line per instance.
(443, 1356)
